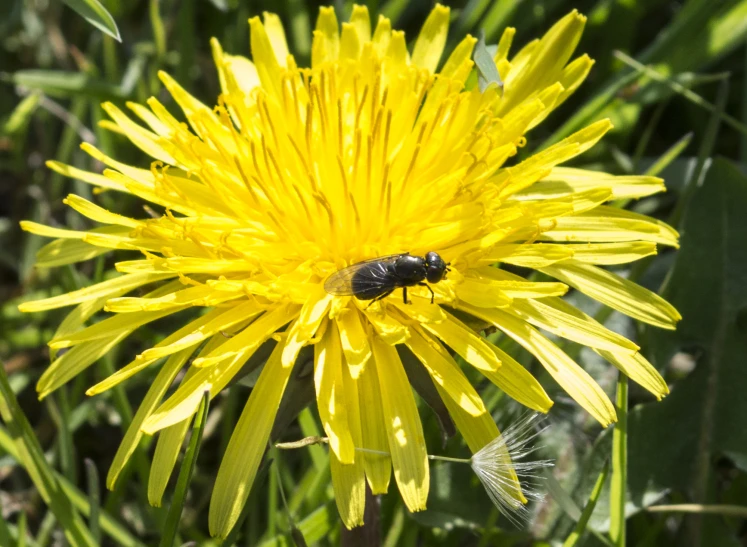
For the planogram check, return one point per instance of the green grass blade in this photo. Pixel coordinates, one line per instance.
(678, 88)
(79, 500)
(669, 156)
(31, 457)
(580, 527)
(22, 525)
(618, 486)
(94, 499)
(4, 531)
(704, 152)
(96, 14)
(185, 475)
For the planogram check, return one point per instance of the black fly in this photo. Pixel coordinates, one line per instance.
(377, 278)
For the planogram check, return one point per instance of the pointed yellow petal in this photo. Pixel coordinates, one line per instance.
(516, 287)
(328, 380)
(276, 35)
(528, 255)
(518, 383)
(638, 369)
(99, 214)
(571, 327)
(387, 327)
(445, 373)
(481, 293)
(350, 44)
(145, 140)
(326, 44)
(565, 180)
(612, 253)
(132, 437)
(362, 22)
(264, 57)
(105, 288)
(312, 313)
(226, 361)
(170, 441)
(66, 251)
(85, 176)
(376, 461)
(382, 35)
(354, 341)
(404, 430)
(432, 38)
(246, 447)
(616, 292)
(349, 481)
(575, 380)
(463, 340)
(635, 366)
(546, 62)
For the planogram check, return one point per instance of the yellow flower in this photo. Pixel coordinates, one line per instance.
(300, 172)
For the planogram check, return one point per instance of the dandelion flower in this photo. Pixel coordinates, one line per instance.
(299, 172)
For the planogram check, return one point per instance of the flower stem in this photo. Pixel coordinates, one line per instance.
(619, 464)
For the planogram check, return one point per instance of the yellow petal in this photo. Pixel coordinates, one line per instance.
(571, 327)
(276, 35)
(145, 140)
(362, 22)
(616, 292)
(635, 366)
(547, 60)
(404, 430)
(312, 313)
(565, 180)
(446, 373)
(224, 362)
(432, 38)
(328, 381)
(99, 214)
(246, 447)
(612, 253)
(481, 293)
(516, 287)
(152, 398)
(105, 288)
(326, 43)
(463, 340)
(349, 481)
(518, 383)
(527, 255)
(354, 341)
(350, 44)
(382, 35)
(387, 327)
(264, 58)
(85, 176)
(376, 461)
(195, 332)
(575, 380)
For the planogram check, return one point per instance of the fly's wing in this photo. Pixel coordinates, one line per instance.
(371, 275)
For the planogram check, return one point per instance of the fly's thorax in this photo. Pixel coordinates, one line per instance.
(410, 269)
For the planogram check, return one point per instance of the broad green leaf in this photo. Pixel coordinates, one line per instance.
(96, 14)
(60, 83)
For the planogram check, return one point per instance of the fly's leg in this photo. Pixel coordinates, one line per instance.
(404, 296)
(380, 297)
(433, 295)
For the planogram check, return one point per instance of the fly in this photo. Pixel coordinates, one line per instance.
(377, 278)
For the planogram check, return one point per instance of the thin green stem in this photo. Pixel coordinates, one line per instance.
(619, 464)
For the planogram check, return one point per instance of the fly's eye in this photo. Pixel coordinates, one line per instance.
(434, 274)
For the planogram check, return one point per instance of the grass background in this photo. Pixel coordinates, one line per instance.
(670, 74)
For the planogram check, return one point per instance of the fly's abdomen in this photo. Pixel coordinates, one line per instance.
(362, 286)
